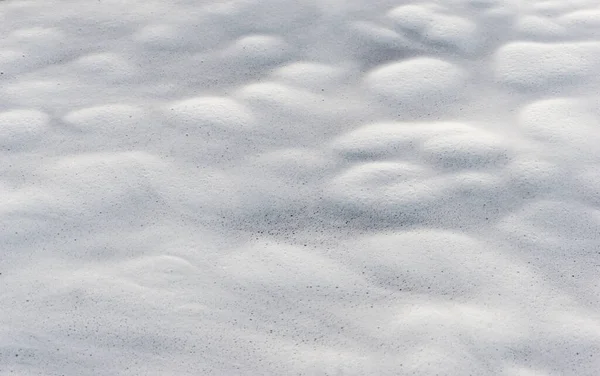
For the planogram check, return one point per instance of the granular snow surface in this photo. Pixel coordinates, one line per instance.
(300, 187)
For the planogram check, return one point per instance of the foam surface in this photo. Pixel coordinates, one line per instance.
(297, 187)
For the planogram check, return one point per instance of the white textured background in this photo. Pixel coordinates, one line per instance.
(299, 187)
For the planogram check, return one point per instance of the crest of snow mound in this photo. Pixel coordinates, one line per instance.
(446, 144)
(309, 74)
(279, 99)
(419, 81)
(73, 180)
(286, 268)
(434, 25)
(382, 188)
(258, 50)
(218, 112)
(21, 126)
(539, 66)
(106, 118)
(104, 66)
(565, 126)
(433, 262)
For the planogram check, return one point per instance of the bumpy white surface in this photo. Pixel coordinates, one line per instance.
(299, 187)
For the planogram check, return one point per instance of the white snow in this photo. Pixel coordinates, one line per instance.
(421, 81)
(299, 187)
(546, 66)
